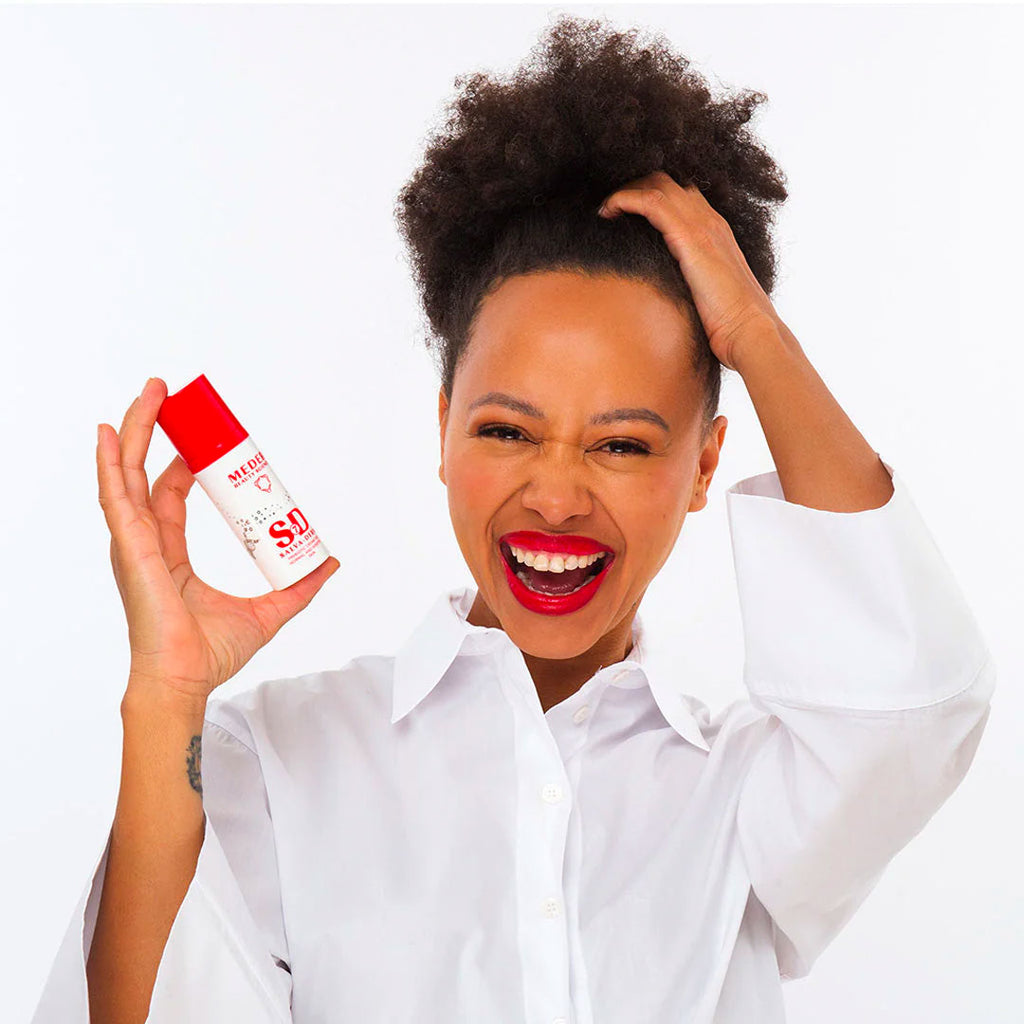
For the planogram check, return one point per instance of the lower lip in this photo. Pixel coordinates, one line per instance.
(552, 604)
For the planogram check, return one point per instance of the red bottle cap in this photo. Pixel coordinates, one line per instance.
(199, 424)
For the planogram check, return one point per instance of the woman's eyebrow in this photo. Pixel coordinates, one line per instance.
(528, 409)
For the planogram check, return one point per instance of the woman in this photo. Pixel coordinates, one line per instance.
(516, 817)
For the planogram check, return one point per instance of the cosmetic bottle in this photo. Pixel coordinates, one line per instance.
(233, 471)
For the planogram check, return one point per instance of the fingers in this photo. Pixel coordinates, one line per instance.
(135, 435)
(117, 506)
(275, 608)
(167, 503)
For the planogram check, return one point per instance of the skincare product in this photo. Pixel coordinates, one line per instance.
(233, 471)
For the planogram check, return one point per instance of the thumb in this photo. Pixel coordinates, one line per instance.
(276, 607)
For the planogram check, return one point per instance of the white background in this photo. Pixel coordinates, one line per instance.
(190, 190)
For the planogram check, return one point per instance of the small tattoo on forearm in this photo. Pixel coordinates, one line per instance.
(194, 763)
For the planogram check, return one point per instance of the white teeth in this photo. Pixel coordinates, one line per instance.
(546, 562)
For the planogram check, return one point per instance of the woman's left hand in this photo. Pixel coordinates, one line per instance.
(731, 303)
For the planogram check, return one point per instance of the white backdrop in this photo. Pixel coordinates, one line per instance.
(190, 190)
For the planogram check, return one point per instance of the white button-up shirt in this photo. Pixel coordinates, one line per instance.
(410, 838)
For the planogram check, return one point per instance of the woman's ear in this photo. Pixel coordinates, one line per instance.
(442, 419)
(708, 463)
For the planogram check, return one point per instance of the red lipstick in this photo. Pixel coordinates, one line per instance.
(565, 543)
(553, 604)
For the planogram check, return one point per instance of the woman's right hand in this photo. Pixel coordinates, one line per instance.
(186, 638)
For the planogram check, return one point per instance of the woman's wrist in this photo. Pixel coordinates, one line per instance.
(146, 697)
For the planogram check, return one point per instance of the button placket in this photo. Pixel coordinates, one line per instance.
(544, 806)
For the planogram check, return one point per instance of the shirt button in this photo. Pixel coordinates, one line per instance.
(551, 908)
(551, 793)
(582, 714)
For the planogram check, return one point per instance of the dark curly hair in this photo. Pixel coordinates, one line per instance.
(511, 183)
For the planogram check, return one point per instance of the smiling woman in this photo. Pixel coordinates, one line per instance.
(582, 334)
(599, 443)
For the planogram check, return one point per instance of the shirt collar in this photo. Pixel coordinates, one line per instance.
(444, 634)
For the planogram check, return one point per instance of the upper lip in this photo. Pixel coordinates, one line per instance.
(558, 543)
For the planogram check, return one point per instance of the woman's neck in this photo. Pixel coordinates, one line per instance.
(557, 679)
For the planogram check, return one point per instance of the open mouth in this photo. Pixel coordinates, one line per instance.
(555, 584)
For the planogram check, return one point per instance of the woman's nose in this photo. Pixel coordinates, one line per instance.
(556, 484)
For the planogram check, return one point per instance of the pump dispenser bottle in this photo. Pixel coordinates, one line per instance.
(233, 471)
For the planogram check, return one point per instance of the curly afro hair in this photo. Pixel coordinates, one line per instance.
(511, 183)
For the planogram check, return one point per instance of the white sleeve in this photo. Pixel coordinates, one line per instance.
(224, 954)
(876, 682)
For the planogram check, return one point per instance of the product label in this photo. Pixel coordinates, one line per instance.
(263, 515)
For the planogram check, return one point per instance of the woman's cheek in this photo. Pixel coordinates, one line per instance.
(653, 502)
(477, 479)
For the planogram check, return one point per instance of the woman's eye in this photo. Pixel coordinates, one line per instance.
(490, 432)
(633, 447)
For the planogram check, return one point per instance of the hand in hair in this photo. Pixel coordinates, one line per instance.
(732, 305)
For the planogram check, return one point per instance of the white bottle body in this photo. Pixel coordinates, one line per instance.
(262, 515)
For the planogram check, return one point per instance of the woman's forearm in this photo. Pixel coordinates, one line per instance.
(154, 847)
(822, 459)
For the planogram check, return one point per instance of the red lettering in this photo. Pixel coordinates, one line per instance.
(299, 520)
(286, 534)
(282, 531)
(244, 471)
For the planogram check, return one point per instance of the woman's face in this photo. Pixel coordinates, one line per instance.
(573, 347)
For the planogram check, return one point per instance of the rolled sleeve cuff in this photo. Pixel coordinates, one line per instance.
(849, 609)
